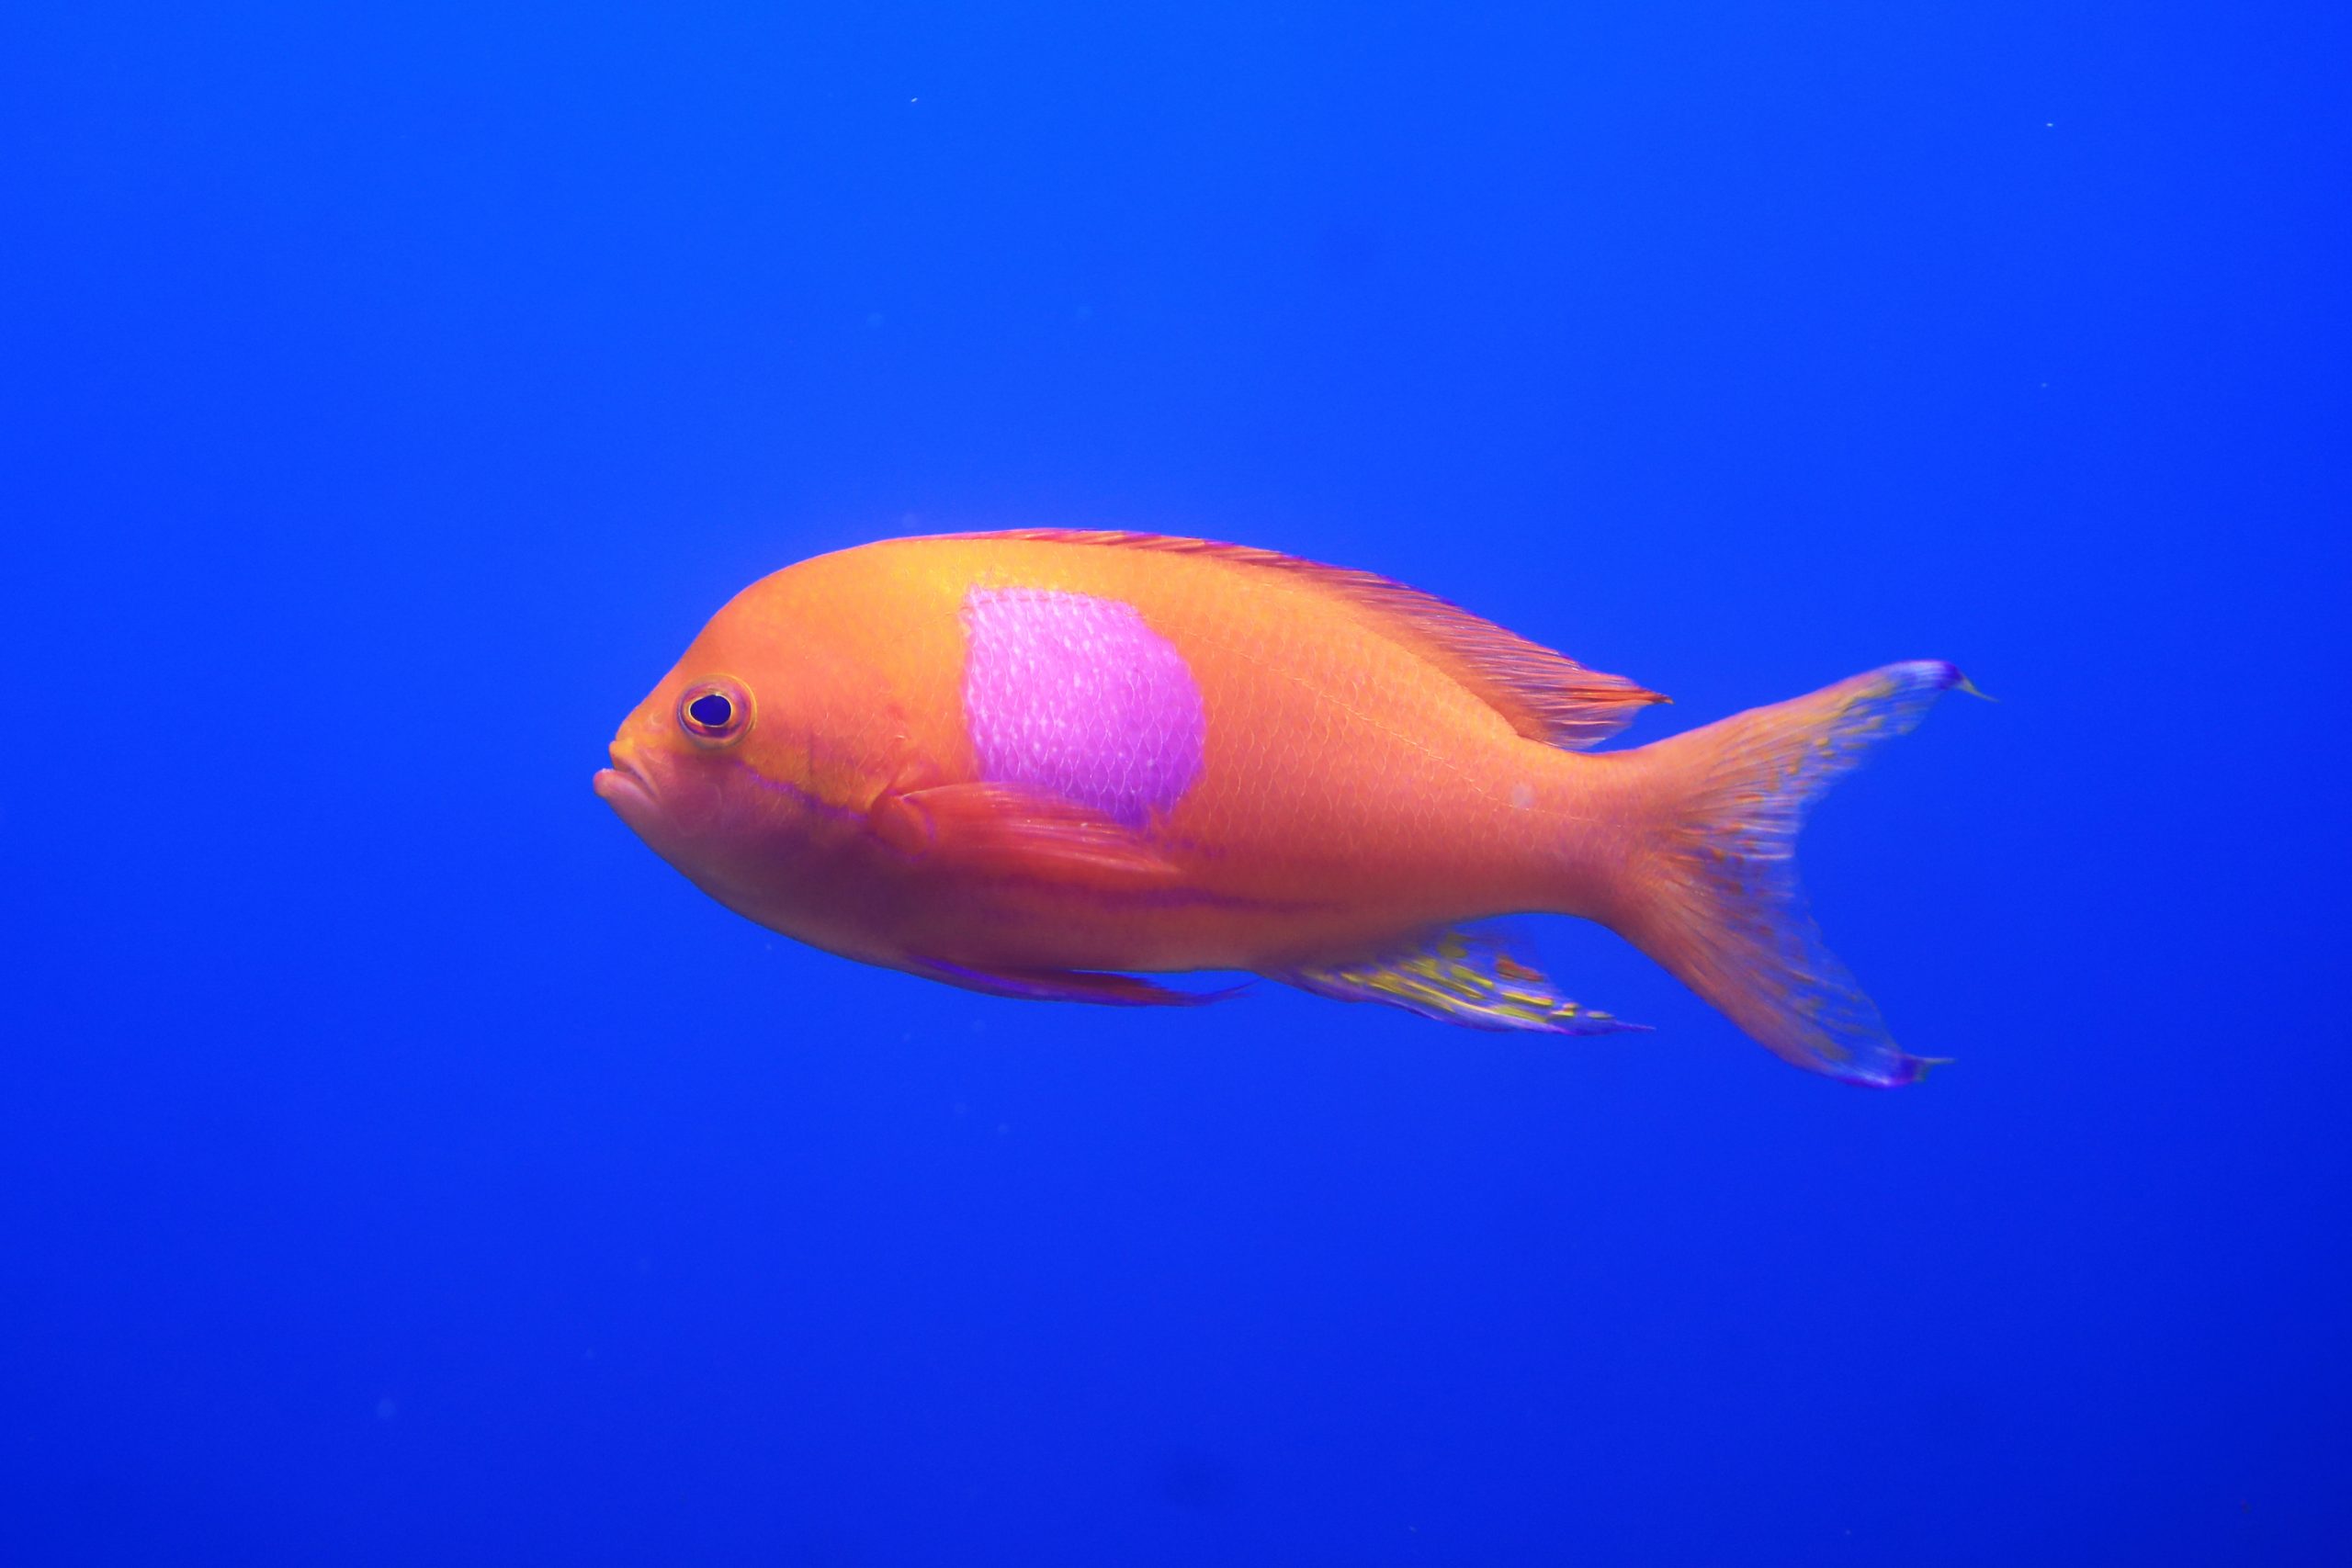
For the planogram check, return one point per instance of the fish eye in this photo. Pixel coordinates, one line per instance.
(715, 712)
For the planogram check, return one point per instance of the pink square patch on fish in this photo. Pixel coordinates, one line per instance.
(1077, 697)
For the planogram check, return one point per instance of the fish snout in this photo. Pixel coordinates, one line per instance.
(627, 783)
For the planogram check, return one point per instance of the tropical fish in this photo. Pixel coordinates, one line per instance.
(1047, 763)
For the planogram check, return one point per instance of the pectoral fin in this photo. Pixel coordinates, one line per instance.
(1464, 977)
(1005, 831)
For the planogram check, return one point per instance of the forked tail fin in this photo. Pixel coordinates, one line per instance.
(1714, 894)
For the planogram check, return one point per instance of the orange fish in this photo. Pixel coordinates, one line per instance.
(1042, 763)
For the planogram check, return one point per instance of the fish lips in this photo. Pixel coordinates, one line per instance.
(625, 786)
(667, 801)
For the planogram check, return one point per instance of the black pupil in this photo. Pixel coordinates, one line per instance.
(711, 711)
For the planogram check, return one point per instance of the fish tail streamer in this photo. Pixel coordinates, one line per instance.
(1715, 894)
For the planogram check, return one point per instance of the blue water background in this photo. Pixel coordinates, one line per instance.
(399, 1165)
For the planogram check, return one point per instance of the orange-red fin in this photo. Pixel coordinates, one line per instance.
(1546, 696)
(1100, 986)
(997, 830)
(1715, 894)
(1468, 977)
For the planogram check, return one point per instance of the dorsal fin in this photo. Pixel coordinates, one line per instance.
(1546, 696)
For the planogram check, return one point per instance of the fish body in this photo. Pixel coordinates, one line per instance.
(1046, 763)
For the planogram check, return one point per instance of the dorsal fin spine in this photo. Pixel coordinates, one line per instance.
(1545, 695)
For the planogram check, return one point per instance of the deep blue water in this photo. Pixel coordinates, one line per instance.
(399, 1165)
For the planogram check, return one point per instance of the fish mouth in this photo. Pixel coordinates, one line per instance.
(623, 784)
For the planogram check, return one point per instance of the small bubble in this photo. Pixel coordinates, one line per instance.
(387, 1407)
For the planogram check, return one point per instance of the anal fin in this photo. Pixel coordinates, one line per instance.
(1458, 976)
